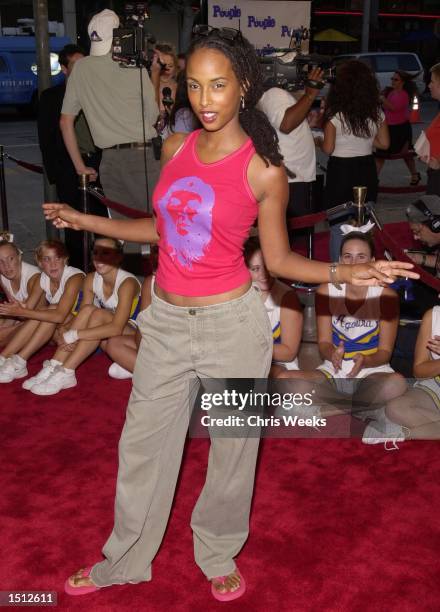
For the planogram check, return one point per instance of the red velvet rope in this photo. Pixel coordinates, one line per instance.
(127, 211)
(27, 165)
(306, 220)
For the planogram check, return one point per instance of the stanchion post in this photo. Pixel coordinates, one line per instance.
(359, 195)
(83, 186)
(4, 201)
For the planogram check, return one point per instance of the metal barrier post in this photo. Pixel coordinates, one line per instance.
(83, 186)
(359, 195)
(4, 202)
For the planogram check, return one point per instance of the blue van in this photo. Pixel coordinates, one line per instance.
(18, 70)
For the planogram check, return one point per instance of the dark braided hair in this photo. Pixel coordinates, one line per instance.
(247, 69)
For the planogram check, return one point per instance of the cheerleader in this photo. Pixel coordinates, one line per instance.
(17, 280)
(357, 328)
(418, 411)
(59, 285)
(109, 303)
(283, 309)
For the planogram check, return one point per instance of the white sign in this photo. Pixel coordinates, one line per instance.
(267, 25)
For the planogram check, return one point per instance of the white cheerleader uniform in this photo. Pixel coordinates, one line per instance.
(111, 303)
(359, 332)
(68, 272)
(432, 385)
(273, 309)
(26, 273)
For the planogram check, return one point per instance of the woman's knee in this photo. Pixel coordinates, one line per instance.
(99, 316)
(400, 410)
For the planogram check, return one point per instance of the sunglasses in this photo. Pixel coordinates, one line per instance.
(229, 34)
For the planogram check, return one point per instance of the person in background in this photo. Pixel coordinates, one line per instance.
(17, 281)
(181, 118)
(433, 136)
(181, 62)
(167, 58)
(288, 116)
(110, 97)
(418, 411)
(60, 285)
(123, 349)
(357, 328)
(354, 124)
(110, 300)
(58, 166)
(283, 309)
(396, 101)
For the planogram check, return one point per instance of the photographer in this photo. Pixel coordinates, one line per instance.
(110, 97)
(424, 219)
(289, 118)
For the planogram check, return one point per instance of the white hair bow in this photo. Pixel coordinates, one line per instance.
(363, 229)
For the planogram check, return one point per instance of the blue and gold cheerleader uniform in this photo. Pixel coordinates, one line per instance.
(432, 385)
(273, 309)
(359, 332)
(112, 302)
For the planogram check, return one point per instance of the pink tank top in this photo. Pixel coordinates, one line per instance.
(203, 216)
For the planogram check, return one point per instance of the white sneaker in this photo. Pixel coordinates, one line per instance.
(60, 378)
(48, 367)
(384, 432)
(117, 371)
(12, 368)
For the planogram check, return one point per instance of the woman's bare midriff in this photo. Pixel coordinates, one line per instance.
(208, 300)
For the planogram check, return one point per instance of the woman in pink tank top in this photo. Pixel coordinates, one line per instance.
(205, 320)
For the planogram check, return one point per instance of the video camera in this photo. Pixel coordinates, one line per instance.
(426, 210)
(132, 43)
(289, 68)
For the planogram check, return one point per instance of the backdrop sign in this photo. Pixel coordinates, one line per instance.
(268, 25)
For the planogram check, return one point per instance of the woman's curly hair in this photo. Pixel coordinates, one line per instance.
(247, 69)
(355, 96)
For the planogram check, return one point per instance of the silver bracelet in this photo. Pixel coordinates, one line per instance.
(333, 269)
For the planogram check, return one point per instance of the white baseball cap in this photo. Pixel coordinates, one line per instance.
(100, 31)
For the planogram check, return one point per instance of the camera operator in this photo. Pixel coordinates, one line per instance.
(110, 97)
(289, 118)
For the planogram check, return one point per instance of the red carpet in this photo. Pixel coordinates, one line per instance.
(335, 525)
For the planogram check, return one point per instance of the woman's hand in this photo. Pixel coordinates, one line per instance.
(375, 273)
(12, 308)
(337, 356)
(434, 163)
(359, 361)
(433, 345)
(62, 216)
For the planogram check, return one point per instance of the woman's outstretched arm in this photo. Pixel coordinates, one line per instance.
(270, 187)
(131, 230)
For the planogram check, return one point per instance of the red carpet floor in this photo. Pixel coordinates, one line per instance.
(335, 525)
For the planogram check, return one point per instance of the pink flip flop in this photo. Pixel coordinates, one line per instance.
(230, 595)
(83, 590)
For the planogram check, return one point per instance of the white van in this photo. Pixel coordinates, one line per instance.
(384, 64)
